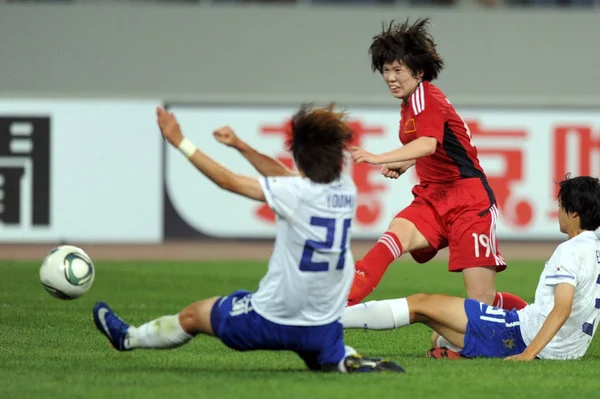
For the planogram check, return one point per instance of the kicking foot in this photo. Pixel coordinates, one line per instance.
(109, 324)
(359, 364)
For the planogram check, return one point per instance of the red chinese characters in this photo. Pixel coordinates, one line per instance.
(517, 212)
(581, 156)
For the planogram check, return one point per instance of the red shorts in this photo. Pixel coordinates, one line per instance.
(460, 215)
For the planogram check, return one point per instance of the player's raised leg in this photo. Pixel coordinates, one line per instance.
(415, 228)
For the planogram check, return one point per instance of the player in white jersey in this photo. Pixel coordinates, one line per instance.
(301, 298)
(559, 324)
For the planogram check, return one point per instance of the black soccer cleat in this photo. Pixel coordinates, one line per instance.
(360, 364)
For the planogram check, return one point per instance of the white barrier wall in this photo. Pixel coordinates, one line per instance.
(98, 171)
(86, 171)
(523, 152)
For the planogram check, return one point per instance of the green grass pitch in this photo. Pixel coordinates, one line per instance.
(50, 349)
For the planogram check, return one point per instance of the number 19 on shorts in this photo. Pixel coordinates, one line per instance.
(481, 243)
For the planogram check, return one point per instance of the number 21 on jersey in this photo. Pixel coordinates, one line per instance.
(306, 262)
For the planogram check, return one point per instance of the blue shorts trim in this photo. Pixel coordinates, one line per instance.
(491, 331)
(238, 326)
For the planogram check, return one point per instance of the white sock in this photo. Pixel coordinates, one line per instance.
(349, 352)
(162, 333)
(377, 315)
(441, 342)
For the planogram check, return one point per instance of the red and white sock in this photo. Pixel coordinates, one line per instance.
(508, 301)
(371, 268)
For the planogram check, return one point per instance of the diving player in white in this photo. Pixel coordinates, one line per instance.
(559, 324)
(300, 300)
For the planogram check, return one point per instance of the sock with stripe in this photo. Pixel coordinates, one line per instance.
(507, 301)
(371, 268)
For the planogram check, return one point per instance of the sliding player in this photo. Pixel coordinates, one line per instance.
(300, 300)
(559, 324)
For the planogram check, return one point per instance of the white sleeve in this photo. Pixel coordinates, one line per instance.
(282, 194)
(566, 269)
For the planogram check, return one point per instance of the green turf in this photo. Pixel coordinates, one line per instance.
(50, 349)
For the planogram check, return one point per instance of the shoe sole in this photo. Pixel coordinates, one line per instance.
(357, 365)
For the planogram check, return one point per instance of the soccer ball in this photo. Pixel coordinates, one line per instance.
(67, 272)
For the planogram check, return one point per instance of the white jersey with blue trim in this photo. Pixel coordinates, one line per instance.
(575, 262)
(312, 268)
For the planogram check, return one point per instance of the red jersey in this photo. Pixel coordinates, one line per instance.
(428, 113)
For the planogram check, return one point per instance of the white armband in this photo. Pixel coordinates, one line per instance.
(187, 148)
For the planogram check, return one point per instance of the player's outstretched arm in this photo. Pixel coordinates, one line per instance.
(264, 164)
(221, 176)
(563, 301)
(404, 166)
(421, 147)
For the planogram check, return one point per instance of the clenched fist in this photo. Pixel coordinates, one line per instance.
(226, 135)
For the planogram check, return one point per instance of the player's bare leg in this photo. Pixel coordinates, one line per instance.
(442, 347)
(408, 234)
(401, 236)
(445, 314)
(195, 319)
(480, 283)
(166, 332)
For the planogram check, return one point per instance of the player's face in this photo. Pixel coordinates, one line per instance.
(568, 223)
(563, 220)
(400, 80)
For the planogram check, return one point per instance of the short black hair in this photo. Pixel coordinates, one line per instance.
(412, 45)
(581, 195)
(318, 139)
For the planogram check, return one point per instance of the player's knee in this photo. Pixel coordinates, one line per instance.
(421, 297)
(195, 318)
(418, 302)
(408, 235)
(418, 306)
(189, 319)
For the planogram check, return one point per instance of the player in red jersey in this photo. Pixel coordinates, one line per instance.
(453, 204)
